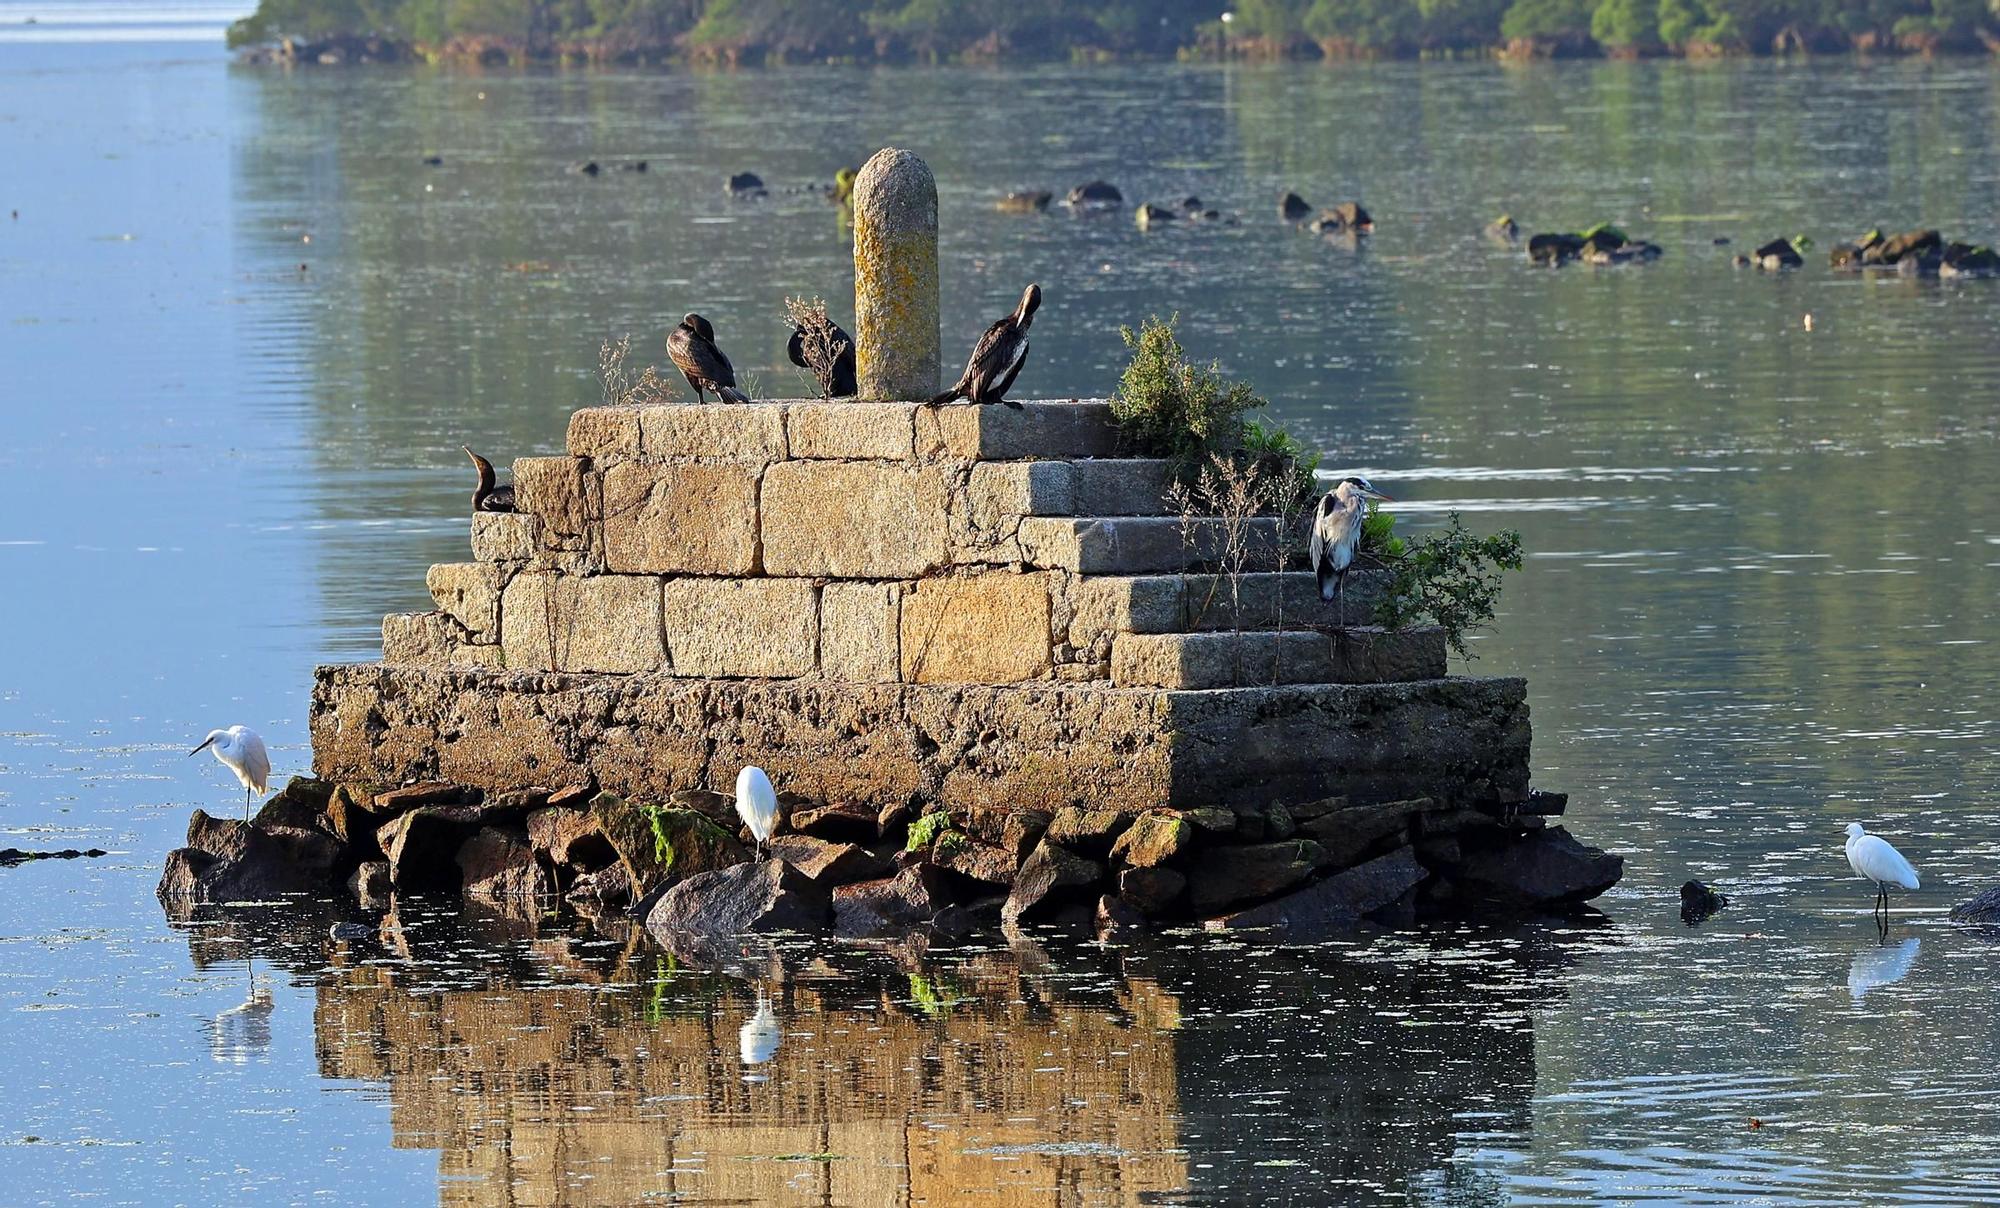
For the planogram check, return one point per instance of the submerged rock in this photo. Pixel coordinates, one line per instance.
(1226, 875)
(1095, 195)
(1965, 261)
(1048, 871)
(1293, 208)
(1908, 245)
(744, 185)
(1776, 255)
(1504, 230)
(1554, 248)
(1982, 911)
(1698, 901)
(1149, 215)
(1335, 904)
(1025, 201)
(499, 865)
(769, 895)
(1347, 218)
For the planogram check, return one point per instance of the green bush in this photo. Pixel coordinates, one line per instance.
(1451, 577)
(1172, 407)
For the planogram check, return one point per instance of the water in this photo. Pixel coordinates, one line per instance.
(244, 329)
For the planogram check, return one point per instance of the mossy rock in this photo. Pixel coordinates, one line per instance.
(663, 846)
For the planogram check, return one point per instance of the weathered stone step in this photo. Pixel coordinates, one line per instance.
(1103, 486)
(802, 429)
(1193, 661)
(1138, 545)
(1175, 603)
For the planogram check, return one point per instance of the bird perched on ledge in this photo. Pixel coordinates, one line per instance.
(832, 355)
(691, 347)
(486, 497)
(756, 804)
(242, 752)
(1336, 535)
(998, 357)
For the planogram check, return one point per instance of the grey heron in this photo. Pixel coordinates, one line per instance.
(1336, 535)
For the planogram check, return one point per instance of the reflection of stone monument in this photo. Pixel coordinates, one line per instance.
(886, 601)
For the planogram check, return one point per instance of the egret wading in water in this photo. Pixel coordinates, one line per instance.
(691, 347)
(998, 357)
(242, 752)
(756, 804)
(1873, 859)
(1336, 535)
(487, 497)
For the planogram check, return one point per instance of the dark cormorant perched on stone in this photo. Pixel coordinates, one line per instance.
(691, 347)
(487, 497)
(998, 357)
(842, 384)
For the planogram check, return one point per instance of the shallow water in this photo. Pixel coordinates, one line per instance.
(243, 330)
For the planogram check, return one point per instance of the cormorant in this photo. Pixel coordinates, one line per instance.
(488, 497)
(691, 347)
(1336, 534)
(998, 357)
(842, 384)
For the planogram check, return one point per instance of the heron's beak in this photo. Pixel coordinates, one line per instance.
(1379, 495)
(204, 746)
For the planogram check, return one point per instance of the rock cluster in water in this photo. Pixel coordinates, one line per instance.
(685, 867)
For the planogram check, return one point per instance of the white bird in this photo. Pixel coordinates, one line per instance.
(242, 752)
(1336, 534)
(1873, 968)
(756, 804)
(1873, 859)
(758, 1041)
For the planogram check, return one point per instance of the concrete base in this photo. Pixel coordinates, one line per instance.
(1042, 745)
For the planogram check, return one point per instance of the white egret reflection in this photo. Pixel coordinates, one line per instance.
(1881, 965)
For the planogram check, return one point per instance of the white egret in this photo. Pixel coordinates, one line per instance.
(756, 804)
(1873, 859)
(1336, 535)
(1883, 965)
(242, 752)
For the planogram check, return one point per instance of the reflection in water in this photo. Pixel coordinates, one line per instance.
(1881, 964)
(242, 1033)
(568, 1063)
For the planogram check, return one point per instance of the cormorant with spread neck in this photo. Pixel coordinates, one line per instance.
(691, 347)
(998, 357)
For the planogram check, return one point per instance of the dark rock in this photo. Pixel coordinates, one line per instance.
(1239, 874)
(1353, 833)
(1153, 890)
(565, 835)
(1278, 821)
(1982, 911)
(1306, 811)
(1153, 839)
(1904, 246)
(1090, 832)
(588, 167)
(1335, 904)
(661, 846)
(1191, 204)
(512, 806)
(1544, 804)
(1554, 248)
(1698, 901)
(370, 884)
(986, 863)
(434, 792)
(1535, 869)
(313, 853)
(893, 819)
(1118, 921)
(1150, 215)
(1048, 871)
(1845, 256)
(1347, 218)
(1964, 260)
(1210, 821)
(1504, 230)
(496, 865)
(842, 822)
(1025, 201)
(10, 856)
(422, 845)
(351, 932)
(1293, 208)
(823, 860)
(637, 165)
(744, 185)
(719, 808)
(434, 161)
(351, 818)
(967, 918)
(1095, 195)
(610, 885)
(1251, 824)
(769, 895)
(229, 861)
(302, 803)
(1778, 254)
(908, 899)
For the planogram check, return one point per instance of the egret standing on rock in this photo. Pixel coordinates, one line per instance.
(691, 347)
(242, 752)
(1872, 858)
(1336, 535)
(756, 804)
(998, 357)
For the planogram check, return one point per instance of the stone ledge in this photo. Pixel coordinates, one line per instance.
(1135, 545)
(781, 429)
(1240, 660)
(1042, 746)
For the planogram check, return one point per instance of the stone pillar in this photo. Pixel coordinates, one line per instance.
(896, 277)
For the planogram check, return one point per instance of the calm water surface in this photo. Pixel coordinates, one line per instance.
(243, 330)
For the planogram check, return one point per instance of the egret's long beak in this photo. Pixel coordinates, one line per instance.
(204, 746)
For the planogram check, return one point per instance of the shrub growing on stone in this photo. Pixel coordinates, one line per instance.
(1452, 577)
